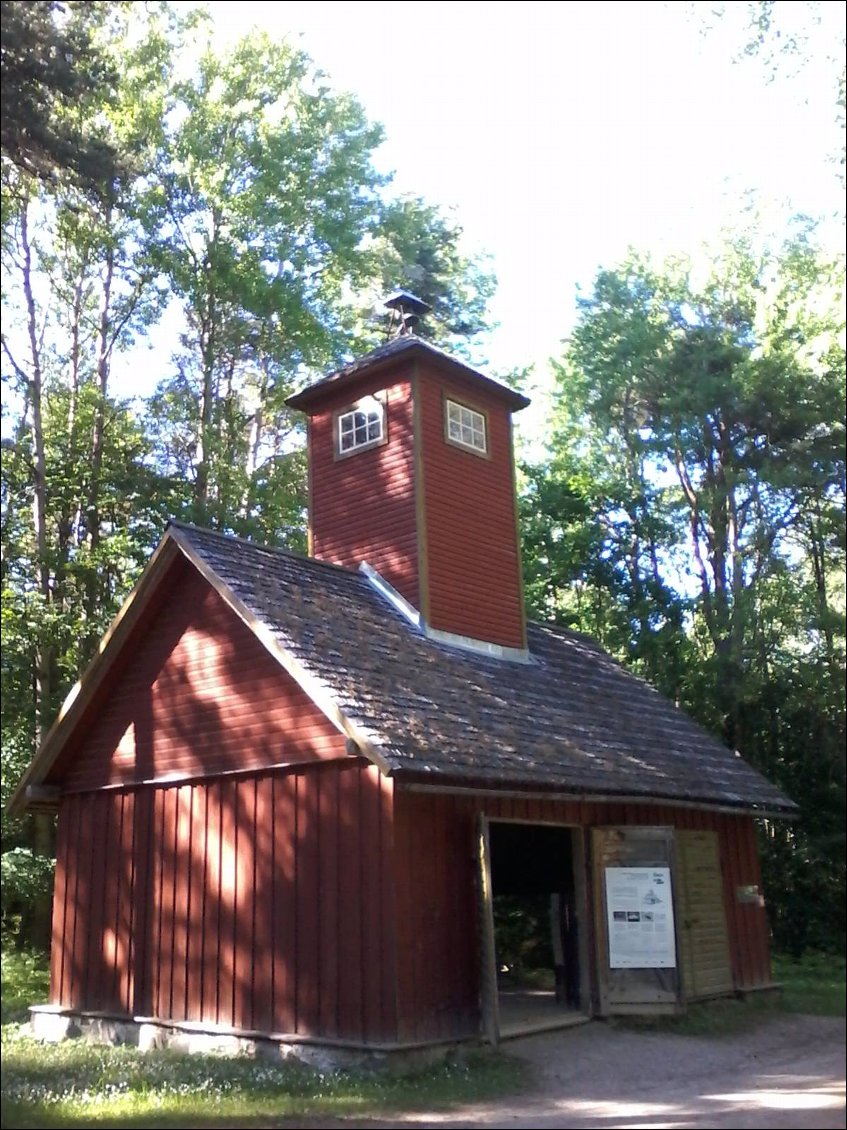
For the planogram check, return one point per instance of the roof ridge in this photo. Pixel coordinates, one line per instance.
(278, 550)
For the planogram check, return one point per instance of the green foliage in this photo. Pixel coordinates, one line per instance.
(50, 62)
(25, 981)
(690, 515)
(25, 877)
(417, 248)
(522, 934)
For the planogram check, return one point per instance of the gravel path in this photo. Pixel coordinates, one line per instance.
(785, 1072)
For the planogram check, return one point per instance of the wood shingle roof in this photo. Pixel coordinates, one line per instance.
(571, 721)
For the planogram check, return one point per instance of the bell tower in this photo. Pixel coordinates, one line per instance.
(411, 470)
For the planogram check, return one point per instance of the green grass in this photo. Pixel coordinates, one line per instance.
(74, 1084)
(816, 984)
(77, 1084)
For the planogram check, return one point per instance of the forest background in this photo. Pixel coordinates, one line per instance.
(683, 500)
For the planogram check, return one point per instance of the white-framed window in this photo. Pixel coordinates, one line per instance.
(466, 427)
(363, 425)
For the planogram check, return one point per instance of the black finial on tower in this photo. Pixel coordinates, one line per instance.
(406, 311)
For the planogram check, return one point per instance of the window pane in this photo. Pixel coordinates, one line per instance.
(360, 427)
(466, 426)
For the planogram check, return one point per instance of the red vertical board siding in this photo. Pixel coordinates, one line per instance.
(113, 804)
(327, 897)
(126, 904)
(210, 928)
(473, 559)
(758, 916)
(263, 907)
(284, 904)
(86, 904)
(195, 912)
(388, 932)
(747, 920)
(142, 941)
(730, 873)
(243, 940)
(71, 977)
(227, 897)
(202, 696)
(350, 869)
(373, 912)
(405, 905)
(432, 1003)
(162, 952)
(183, 892)
(362, 507)
(306, 908)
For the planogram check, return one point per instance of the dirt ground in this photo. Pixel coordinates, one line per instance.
(786, 1072)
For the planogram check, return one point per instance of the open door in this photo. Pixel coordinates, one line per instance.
(489, 1005)
(532, 899)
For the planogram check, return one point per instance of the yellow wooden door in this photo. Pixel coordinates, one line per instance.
(701, 918)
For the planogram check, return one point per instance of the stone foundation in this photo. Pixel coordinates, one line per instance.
(53, 1024)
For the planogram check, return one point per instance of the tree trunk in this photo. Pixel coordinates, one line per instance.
(44, 658)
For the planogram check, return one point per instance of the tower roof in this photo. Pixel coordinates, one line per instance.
(407, 348)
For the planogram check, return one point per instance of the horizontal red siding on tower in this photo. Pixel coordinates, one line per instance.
(202, 696)
(473, 561)
(362, 507)
(263, 903)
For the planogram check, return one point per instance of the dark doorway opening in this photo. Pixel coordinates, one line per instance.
(536, 935)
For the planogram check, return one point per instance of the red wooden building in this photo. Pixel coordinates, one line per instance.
(291, 791)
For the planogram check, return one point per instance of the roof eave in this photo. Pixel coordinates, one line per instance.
(310, 396)
(426, 781)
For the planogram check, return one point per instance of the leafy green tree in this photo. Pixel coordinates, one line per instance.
(261, 195)
(272, 230)
(49, 60)
(81, 502)
(691, 515)
(416, 247)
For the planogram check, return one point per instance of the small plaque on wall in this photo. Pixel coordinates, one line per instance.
(749, 894)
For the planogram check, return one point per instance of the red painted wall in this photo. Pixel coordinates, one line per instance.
(437, 915)
(473, 562)
(311, 901)
(447, 541)
(362, 507)
(201, 696)
(263, 902)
